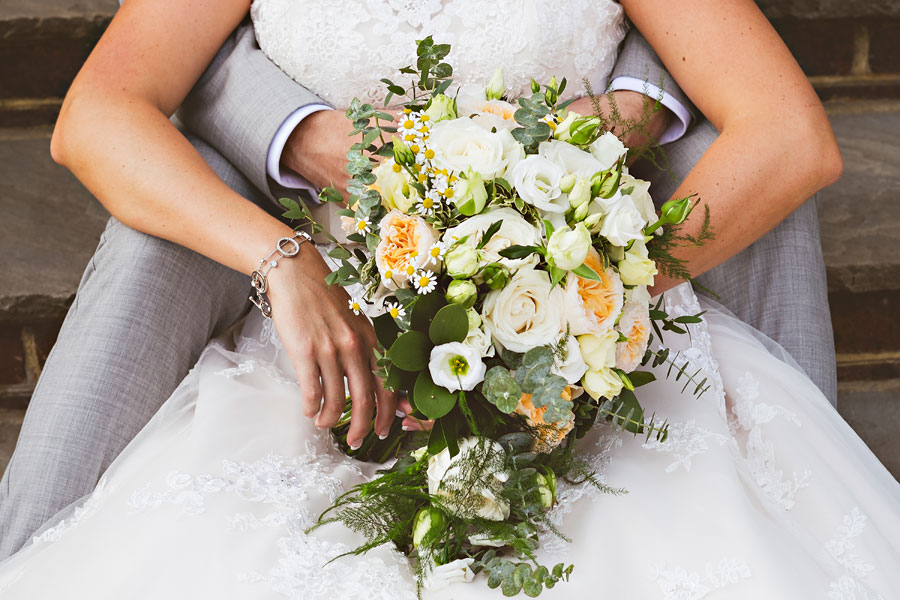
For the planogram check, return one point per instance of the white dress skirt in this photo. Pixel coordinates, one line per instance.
(760, 491)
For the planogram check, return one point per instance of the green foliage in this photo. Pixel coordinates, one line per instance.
(431, 399)
(501, 390)
(535, 378)
(450, 324)
(410, 351)
(660, 249)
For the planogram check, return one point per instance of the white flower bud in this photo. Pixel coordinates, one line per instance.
(495, 87)
(568, 248)
(462, 261)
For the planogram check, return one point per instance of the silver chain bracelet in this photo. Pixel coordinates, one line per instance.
(286, 247)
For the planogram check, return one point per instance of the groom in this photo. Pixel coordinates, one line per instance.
(145, 307)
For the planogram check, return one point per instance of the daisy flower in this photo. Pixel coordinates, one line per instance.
(435, 253)
(355, 305)
(362, 226)
(387, 277)
(424, 282)
(395, 309)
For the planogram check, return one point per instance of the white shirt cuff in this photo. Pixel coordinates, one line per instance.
(282, 175)
(677, 128)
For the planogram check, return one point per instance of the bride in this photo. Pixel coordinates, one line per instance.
(761, 490)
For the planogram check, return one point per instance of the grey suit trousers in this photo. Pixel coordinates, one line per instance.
(144, 310)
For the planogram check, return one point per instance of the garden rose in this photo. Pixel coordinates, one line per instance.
(622, 222)
(568, 248)
(593, 306)
(607, 149)
(396, 193)
(602, 383)
(573, 160)
(599, 351)
(635, 325)
(405, 241)
(527, 313)
(461, 145)
(636, 268)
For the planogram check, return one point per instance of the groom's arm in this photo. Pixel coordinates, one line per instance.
(639, 69)
(246, 107)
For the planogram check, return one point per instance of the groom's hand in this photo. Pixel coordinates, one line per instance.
(327, 343)
(636, 118)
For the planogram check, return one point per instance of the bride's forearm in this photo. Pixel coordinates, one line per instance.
(751, 178)
(144, 171)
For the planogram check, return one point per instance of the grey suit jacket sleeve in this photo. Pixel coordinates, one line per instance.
(637, 59)
(240, 102)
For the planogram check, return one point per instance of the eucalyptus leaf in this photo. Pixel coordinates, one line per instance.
(501, 389)
(410, 351)
(535, 368)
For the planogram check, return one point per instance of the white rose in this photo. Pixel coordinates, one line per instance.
(607, 149)
(603, 383)
(638, 294)
(457, 571)
(636, 268)
(640, 196)
(572, 367)
(572, 159)
(456, 366)
(537, 180)
(622, 222)
(599, 351)
(593, 306)
(442, 469)
(568, 248)
(514, 231)
(461, 145)
(462, 260)
(396, 193)
(635, 325)
(480, 341)
(526, 313)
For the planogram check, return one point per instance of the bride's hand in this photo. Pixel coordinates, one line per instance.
(631, 107)
(326, 342)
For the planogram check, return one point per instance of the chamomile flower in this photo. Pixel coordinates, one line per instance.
(436, 253)
(387, 276)
(363, 226)
(424, 281)
(355, 305)
(395, 309)
(408, 269)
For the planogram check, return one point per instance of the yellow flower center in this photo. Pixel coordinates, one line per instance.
(424, 117)
(414, 148)
(429, 154)
(409, 124)
(459, 366)
(435, 252)
(424, 280)
(449, 192)
(361, 225)
(427, 202)
(394, 312)
(396, 168)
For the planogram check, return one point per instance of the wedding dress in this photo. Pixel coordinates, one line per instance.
(760, 491)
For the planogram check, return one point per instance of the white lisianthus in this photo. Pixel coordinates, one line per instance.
(640, 195)
(636, 268)
(457, 571)
(442, 469)
(396, 193)
(580, 194)
(563, 129)
(461, 145)
(593, 306)
(572, 367)
(568, 248)
(469, 194)
(599, 351)
(526, 313)
(462, 292)
(622, 222)
(635, 325)
(441, 108)
(537, 180)
(607, 149)
(602, 383)
(405, 242)
(495, 87)
(514, 231)
(456, 366)
(573, 160)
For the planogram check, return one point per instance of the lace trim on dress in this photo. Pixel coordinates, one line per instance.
(680, 584)
(841, 548)
(90, 506)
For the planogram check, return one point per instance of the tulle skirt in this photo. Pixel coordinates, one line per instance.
(760, 491)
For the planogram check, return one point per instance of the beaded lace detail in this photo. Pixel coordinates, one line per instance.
(680, 584)
(340, 49)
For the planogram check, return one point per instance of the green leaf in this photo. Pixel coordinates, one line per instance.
(433, 400)
(535, 368)
(627, 412)
(398, 379)
(639, 378)
(450, 324)
(532, 587)
(557, 275)
(548, 389)
(548, 228)
(424, 310)
(517, 251)
(494, 228)
(410, 351)
(339, 253)
(585, 272)
(501, 389)
(386, 329)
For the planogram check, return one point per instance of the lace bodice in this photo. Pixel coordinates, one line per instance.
(340, 49)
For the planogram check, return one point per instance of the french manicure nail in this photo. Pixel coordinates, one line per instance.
(382, 436)
(400, 414)
(356, 447)
(405, 428)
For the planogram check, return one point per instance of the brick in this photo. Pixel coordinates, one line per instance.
(820, 47)
(884, 46)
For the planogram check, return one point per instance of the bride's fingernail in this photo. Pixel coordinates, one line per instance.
(354, 447)
(405, 428)
(400, 414)
(382, 436)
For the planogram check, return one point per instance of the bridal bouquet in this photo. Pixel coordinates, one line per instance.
(504, 253)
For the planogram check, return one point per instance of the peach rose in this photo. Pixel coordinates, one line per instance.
(635, 325)
(549, 435)
(403, 249)
(593, 306)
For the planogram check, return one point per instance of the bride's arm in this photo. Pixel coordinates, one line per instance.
(775, 148)
(114, 134)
